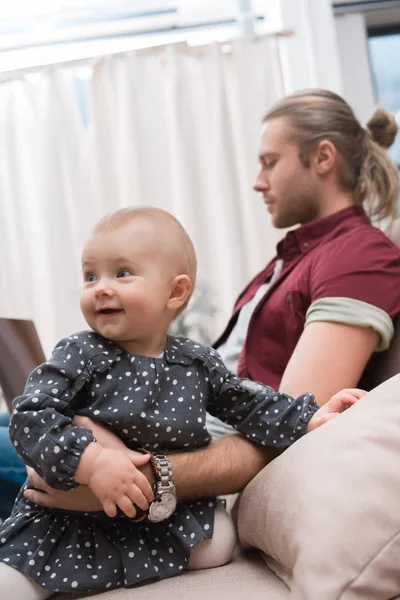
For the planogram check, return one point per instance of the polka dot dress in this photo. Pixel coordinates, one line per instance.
(156, 403)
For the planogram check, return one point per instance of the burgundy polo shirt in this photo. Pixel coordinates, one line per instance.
(339, 256)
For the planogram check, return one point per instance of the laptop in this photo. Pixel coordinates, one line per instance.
(20, 352)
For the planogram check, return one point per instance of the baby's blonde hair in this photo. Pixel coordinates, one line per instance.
(169, 233)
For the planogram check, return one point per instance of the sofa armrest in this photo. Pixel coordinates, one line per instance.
(326, 512)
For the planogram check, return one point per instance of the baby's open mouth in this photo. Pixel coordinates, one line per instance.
(109, 311)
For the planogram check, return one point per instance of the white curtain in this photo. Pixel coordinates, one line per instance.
(175, 127)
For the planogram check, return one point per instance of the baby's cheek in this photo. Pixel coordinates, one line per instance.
(143, 306)
(86, 306)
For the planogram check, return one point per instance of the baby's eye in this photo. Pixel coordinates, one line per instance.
(124, 273)
(90, 277)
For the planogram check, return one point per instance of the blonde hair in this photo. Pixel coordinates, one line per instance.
(364, 166)
(169, 231)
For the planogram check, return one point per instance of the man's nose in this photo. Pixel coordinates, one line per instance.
(261, 183)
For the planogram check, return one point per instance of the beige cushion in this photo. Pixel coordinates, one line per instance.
(327, 512)
(244, 578)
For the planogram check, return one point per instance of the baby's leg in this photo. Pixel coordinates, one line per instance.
(218, 550)
(18, 586)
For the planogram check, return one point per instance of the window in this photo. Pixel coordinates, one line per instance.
(38, 32)
(384, 50)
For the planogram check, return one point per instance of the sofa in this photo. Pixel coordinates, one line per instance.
(321, 521)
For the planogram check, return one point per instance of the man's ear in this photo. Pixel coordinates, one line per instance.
(181, 288)
(325, 156)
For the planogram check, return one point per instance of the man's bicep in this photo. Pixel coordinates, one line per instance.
(328, 357)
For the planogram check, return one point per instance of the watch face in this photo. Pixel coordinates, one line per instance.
(162, 510)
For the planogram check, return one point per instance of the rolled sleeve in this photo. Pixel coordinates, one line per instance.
(364, 268)
(353, 312)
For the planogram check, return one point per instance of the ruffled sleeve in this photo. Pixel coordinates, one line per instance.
(41, 424)
(256, 411)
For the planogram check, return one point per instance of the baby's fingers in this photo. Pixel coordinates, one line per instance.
(318, 421)
(137, 497)
(37, 481)
(355, 392)
(125, 504)
(143, 483)
(345, 399)
(38, 497)
(109, 507)
(139, 459)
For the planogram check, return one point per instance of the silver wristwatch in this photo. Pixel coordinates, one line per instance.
(165, 500)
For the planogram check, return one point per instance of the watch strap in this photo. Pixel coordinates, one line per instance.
(163, 471)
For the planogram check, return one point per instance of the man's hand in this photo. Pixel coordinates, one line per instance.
(80, 498)
(336, 405)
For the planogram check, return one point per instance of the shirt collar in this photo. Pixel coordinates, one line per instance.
(178, 350)
(306, 237)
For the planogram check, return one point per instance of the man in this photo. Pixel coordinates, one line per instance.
(311, 320)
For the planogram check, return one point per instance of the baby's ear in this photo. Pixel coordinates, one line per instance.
(181, 288)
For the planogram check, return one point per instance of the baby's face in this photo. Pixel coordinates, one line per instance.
(127, 284)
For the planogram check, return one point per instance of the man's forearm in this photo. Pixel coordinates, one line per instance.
(223, 467)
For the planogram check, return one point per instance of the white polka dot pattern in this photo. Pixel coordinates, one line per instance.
(158, 403)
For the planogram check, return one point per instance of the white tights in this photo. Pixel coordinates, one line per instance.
(214, 552)
(218, 550)
(15, 585)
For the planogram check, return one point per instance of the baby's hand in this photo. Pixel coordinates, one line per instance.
(117, 482)
(337, 404)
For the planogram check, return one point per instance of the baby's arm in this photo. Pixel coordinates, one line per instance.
(267, 417)
(41, 422)
(65, 455)
(256, 411)
(102, 433)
